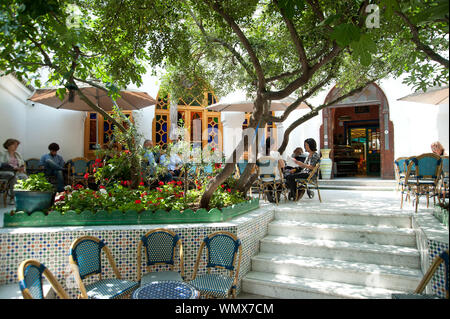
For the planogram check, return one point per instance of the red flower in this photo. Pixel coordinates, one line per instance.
(222, 186)
(158, 189)
(102, 187)
(126, 151)
(94, 170)
(86, 176)
(229, 190)
(106, 179)
(159, 198)
(137, 201)
(98, 160)
(161, 183)
(141, 183)
(213, 149)
(199, 187)
(179, 183)
(78, 186)
(217, 165)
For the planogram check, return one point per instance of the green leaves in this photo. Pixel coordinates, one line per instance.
(34, 182)
(291, 7)
(363, 49)
(345, 33)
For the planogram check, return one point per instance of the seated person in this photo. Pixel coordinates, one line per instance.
(12, 166)
(175, 164)
(164, 161)
(304, 168)
(438, 149)
(299, 155)
(54, 165)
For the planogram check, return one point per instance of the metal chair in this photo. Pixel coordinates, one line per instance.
(222, 248)
(418, 293)
(404, 187)
(443, 185)
(77, 168)
(427, 171)
(267, 167)
(399, 171)
(85, 260)
(30, 274)
(160, 246)
(303, 184)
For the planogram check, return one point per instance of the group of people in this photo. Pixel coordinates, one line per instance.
(298, 165)
(13, 168)
(173, 163)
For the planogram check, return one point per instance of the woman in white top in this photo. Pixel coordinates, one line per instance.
(12, 164)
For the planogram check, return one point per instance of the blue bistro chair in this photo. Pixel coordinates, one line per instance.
(30, 273)
(418, 293)
(443, 191)
(422, 176)
(222, 249)
(77, 168)
(160, 246)
(404, 188)
(32, 166)
(400, 171)
(267, 178)
(85, 260)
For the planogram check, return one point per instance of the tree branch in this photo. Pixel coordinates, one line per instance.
(421, 46)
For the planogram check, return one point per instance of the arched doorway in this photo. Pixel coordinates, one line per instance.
(360, 134)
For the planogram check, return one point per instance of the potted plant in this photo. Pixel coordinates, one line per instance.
(33, 194)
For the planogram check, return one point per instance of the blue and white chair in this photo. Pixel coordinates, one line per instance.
(223, 252)
(267, 178)
(160, 247)
(443, 189)
(400, 171)
(30, 273)
(85, 260)
(422, 176)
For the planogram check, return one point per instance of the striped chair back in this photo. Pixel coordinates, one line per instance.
(445, 165)
(160, 246)
(86, 253)
(80, 166)
(400, 165)
(32, 163)
(222, 249)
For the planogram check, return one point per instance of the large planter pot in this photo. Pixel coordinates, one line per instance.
(326, 164)
(30, 201)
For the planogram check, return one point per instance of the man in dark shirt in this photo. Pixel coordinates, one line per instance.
(54, 165)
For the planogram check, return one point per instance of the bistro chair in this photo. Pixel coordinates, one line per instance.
(418, 293)
(5, 185)
(30, 274)
(427, 171)
(399, 171)
(32, 166)
(405, 189)
(85, 261)
(160, 246)
(304, 184)
(77, 168)
(267, 167)
(443, 189)
(222, 249)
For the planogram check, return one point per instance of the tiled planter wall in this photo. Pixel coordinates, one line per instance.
(51, 245)
(432, 239)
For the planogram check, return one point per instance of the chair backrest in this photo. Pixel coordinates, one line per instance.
(266, 167)
(32, 163)
(160, 245)
(241, 166)
(400, 165)
(30, 274)
(313, 174)
(442, 258)
(427, 166)
(208, 169)
(445, 165)
(222, 248)
(79, 165)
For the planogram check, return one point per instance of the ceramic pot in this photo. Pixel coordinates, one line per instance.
(326, 164)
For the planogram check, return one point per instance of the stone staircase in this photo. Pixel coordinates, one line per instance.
(314, 252)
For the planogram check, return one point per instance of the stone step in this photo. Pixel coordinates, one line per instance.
(375, 182)
(342, 232)
(357, 187)
(372, 275)
(291, 287)
(351, 216)
(341, 250)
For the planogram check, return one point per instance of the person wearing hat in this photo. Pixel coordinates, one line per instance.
(12, 165)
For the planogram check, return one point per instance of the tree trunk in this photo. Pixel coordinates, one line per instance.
(214, 183)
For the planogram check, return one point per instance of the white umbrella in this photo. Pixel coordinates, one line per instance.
(247, 106)
(434, 95)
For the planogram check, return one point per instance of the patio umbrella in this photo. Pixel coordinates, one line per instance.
(247, 106)
(435, 95)
(129, 99)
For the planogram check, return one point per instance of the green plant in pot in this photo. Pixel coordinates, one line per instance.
(33, 194)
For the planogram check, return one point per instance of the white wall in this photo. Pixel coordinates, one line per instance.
(13, 108)
(143, 120)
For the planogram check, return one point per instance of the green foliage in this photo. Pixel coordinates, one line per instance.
(34, 182)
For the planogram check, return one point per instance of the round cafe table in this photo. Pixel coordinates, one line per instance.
(166, 289)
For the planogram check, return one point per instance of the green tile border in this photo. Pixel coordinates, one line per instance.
(132, 217)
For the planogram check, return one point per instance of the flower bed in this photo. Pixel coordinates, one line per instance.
(131, 217)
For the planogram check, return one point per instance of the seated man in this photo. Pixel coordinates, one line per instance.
(54, 165)
(175, 164)
(149, 156)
